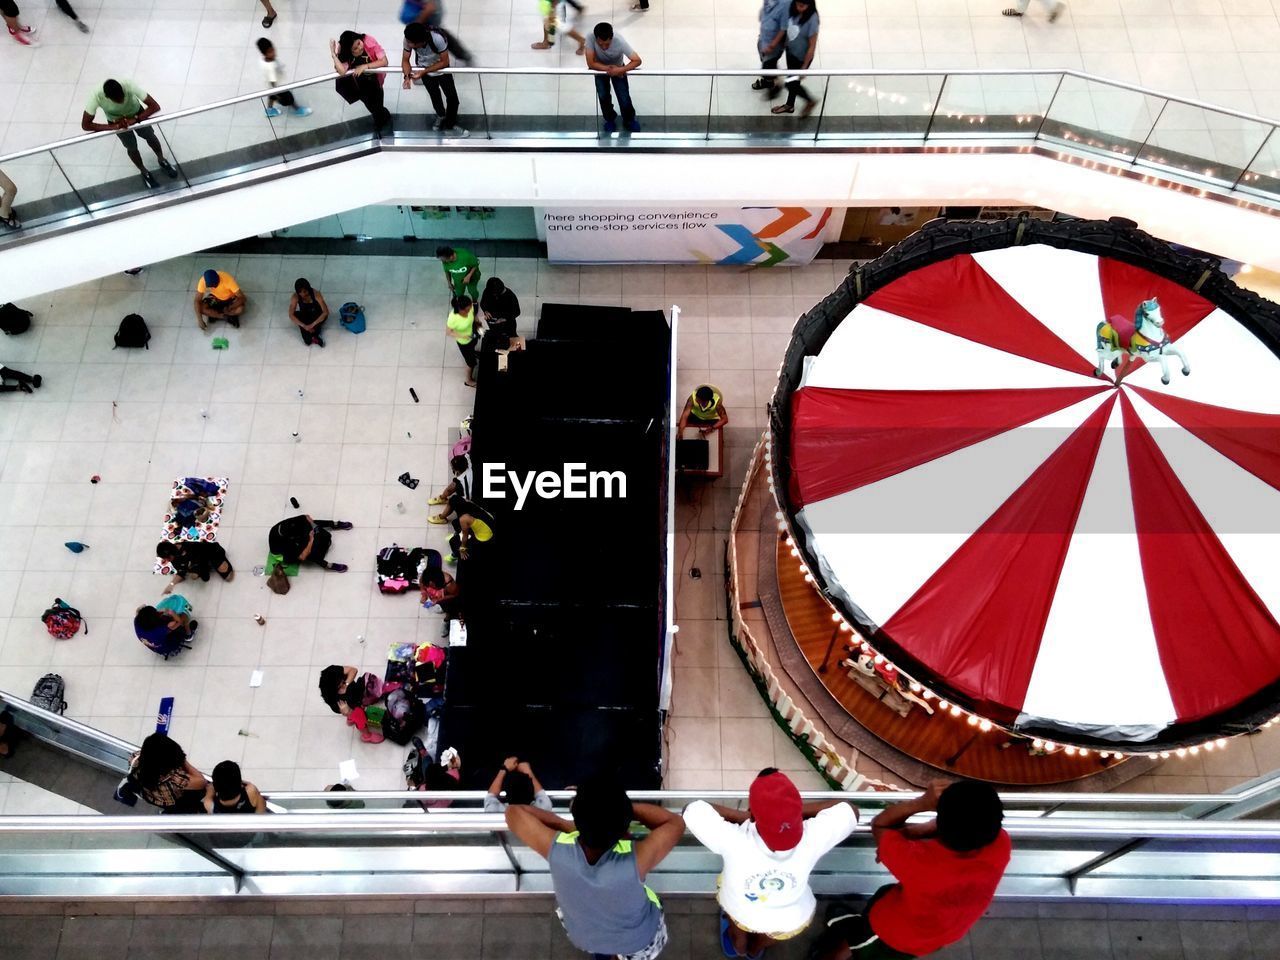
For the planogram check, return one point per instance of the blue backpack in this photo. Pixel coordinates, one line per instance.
(351, 316)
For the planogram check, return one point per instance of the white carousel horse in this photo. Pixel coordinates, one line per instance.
(1121, 342)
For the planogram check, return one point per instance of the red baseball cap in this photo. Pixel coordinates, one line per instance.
(778, 811)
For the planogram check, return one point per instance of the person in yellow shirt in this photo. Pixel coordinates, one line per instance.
(705, 410)
(218, 297)
(461, 325)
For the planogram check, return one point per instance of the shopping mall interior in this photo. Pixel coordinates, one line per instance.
(895, 415)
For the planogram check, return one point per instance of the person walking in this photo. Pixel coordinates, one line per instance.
(430, 51)
(613, 58)
(947, 872)
(308, 311)
(769, 851)
(800, 37)
(124, 104)
(1055, 8)
(431, 14)
(273, 73)
(353, 55)
(569, 15)
(773, 15)
(19, 31)
(461, 271)
(271, 14)
(598, 873)
(70, 12)
(461, 326)
(8, 193)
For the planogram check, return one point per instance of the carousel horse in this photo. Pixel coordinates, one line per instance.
(1143, 339)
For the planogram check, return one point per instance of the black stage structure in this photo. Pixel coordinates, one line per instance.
(566, 605)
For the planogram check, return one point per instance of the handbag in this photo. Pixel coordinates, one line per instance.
(279, 580)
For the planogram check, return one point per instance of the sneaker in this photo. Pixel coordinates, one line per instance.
(451, 559)
(337, 567)
(25, 36)
(301, 111)
(457, 133)
(439, 122)
(191, 626)
(318, 342)
(149, 180)
(610, 126)
(633, 125)
(272, 111)
(81, 26)
(168, 168)
(36, 381)
(343, 525)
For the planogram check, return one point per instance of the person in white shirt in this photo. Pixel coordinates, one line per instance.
(273, 71)
(768, 851)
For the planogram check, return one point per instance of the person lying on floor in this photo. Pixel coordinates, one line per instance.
(198, 558)
(301, 539)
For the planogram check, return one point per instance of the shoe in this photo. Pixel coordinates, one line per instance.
(451, 559)
(272, 111)
(234, 321)
(1011, 12)
(337, 567)
(301, 111)
(11, 222)
(726, 943)
(25, 36)
(149, 180)
(808, 108)
(633, 125)
(191, 626)
(437, 519)
(319, 343)
(436, 501)
(343, 525)
(36, 381)
(456, 133)
(268, 21)
(610, 126)
(81, 26)
(24, 387)
(1056, 12)
(168, 168)
(437, 123)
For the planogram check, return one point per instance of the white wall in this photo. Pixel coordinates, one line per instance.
(799, 177)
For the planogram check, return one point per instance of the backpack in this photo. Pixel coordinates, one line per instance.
(401, 729)
(62, 620)
(415, 765)
(13, 319)
(351, 316)
(132, 332)
(50, 693)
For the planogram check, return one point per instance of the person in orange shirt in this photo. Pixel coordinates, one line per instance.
(218, 297)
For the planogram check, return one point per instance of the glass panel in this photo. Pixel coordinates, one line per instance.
(1001, 105)
(1204, 143)
(539, 105)
(1263, 176)
(230, 139)
(105, 173)
(329, 227)
(883, 108)
(1101, 118)
(44, 195)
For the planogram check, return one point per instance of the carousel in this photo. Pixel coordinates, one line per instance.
(1026, 480)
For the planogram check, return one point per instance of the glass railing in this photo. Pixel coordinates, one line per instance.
(1089, 845)
(1067, 115)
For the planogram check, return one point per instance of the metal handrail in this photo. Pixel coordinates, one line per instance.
(395, 822)
(582, 71)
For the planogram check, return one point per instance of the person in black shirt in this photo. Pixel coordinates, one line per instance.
(301, 539)
(308, 311)
(198, 558)
(500, 308)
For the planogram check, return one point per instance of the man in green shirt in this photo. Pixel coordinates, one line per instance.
(124, 104)
(461, 272)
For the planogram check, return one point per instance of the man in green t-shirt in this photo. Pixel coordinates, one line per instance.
(124, 104)
(461, 272)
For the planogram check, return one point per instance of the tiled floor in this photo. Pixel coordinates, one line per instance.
(134, 417)
(193, 52)
(525, 928)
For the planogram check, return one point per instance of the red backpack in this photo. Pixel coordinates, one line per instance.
(62, 620)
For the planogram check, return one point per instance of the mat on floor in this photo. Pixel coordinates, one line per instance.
(205, 529)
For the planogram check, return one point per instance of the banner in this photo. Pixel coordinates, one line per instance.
(755, 236)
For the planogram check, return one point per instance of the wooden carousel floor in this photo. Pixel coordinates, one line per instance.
(934, 740)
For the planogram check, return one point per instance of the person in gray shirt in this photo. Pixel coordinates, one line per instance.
(612, 57)
(773, 25)
(799, 35)
(430, 50)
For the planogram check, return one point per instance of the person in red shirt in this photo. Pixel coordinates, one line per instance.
(947, 873)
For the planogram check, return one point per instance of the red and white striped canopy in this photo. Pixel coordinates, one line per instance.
(1054, 551)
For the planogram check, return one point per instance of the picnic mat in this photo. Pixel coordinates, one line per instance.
(206, 530)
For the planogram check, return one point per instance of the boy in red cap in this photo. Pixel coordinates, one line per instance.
(947, 873)
(769, 851)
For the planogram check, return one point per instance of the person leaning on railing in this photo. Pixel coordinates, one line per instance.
(354, 54)
(124, 104)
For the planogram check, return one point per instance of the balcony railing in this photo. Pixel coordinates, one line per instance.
(1071, 116)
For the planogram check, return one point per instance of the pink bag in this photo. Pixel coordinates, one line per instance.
(461, 447)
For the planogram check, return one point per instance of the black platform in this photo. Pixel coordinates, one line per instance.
(564, 606)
